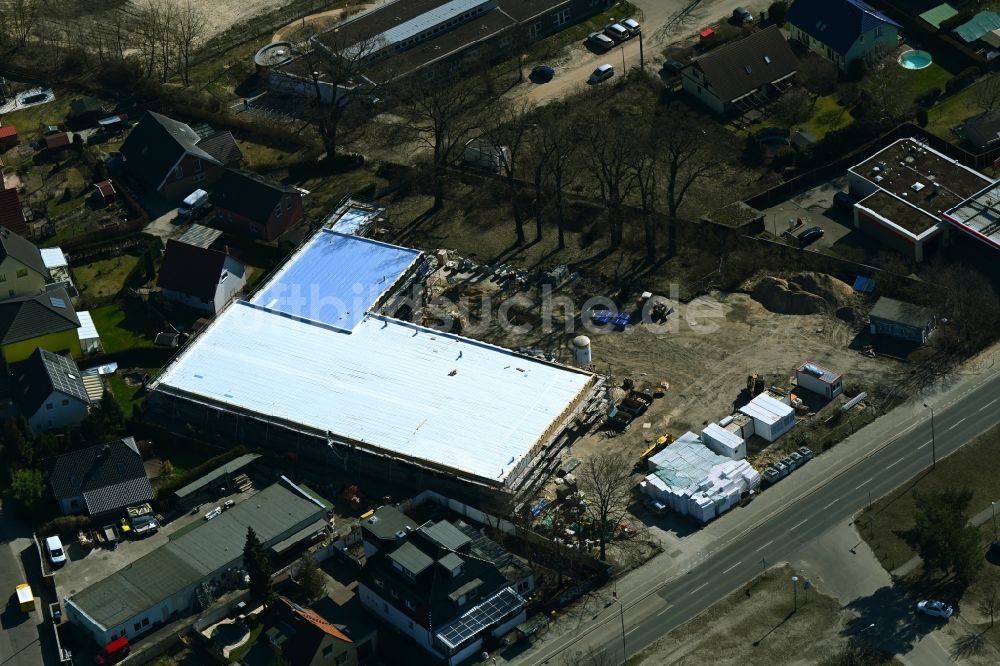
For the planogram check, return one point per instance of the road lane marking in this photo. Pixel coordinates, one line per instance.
(765, 545)
(697, 588)
(634, 629)
(831, 504)
(987, 405)
(923, 445)
(663, 611)
(956, 424)
(798, 524)
(895, 463)
(732, 567)
(865, 483)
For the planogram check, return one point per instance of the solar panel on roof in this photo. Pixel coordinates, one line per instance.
(485, 615)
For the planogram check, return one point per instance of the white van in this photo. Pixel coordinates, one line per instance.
(55, 548)
(602, 73)
(193, 204)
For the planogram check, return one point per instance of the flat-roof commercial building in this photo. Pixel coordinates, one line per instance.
(310, 366)
(162, 585)
(901, 320)
(979, 216)
(903, 192)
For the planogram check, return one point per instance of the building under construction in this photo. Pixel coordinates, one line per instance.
(314, 367)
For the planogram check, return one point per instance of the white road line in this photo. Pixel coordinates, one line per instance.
(798, 524)
(732, 567)
(956, 424)
(631, 630)
(830, 504)
(987, 405)
(663, 611)
(865, 483)
(697, 588)
(924, 444)
(765, 545)
(895, 463)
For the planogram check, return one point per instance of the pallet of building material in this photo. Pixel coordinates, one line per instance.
(569, 466)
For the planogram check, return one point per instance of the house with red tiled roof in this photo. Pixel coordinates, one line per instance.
(8, 137)
(12, 212)
(200, 278)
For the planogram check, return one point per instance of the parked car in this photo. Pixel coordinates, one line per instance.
(742, 16)
(213, 513)
(602, 73)
(55, 549)
(810, 235)
(617, 32)
(193, 205)
(600, 41)
(542, 74)
(632, 26)
(935, 608)
(843, 201)
(114, 652)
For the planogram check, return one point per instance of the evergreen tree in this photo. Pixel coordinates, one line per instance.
(258, 566)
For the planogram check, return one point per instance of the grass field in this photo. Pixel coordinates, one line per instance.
(827, 116)
(121, 330)
(892, 516)
(127, 396)
(952, 111)
(105, 277)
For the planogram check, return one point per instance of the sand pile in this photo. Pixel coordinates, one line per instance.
(801, 293)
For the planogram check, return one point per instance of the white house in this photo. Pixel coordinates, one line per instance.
(842, 31)
(200, 278)
(51, 392)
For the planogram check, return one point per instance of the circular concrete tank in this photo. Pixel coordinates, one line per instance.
(273, 55)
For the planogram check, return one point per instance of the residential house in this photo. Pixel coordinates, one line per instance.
(842, 31)
(45, 320)
(100, 480)
(170, 158)
(104, 193)
(979, 27)
(56, 143)
(51, 393)
(741, 75)
(22, 271)
(12, 214)
(200, 278)
(252, 205)
(8, 137)
(306, 637)
(982, 132)
(448, 588)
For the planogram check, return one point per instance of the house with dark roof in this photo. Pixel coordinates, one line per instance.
(447, 587)
(305, 636)
(982, 132)
(45, 320)
(901, 320)
(100, 480)
(251, 205)
(170, 158)
(742, 75)
(50, 391)
(22, 271)
(200, 278)
(842, 31)
(12, 213)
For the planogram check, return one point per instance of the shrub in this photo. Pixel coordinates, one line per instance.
(65, 526)
(922, 116)
(857, 69)
(777, 11)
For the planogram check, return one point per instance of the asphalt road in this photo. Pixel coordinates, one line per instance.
(19, 633)
(665, 606)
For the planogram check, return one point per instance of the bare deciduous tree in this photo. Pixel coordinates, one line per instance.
(987, 92)
(611, 141)
(892, 96)
(21, 19)
(508, 129)
(555, 152)
(606, 479)
(644, 161)
(443, 118)
(989, 604)
(687, 158)
(188, 35)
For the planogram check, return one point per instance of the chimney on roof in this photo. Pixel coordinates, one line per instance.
(105, 450)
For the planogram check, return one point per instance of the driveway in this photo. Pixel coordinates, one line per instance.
(664, 22)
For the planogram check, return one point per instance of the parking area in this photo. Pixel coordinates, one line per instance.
(85, 567)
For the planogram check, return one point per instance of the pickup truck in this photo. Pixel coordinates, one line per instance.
(143, 525)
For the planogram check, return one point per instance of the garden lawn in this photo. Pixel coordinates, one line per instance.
(121, 330)
(952, 111)
(924, 80)
(30, 120)
(105, 277)
(127, 396)
(826, 117)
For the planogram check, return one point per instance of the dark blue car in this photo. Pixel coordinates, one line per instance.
(542, 74)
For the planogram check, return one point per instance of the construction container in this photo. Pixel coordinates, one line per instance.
(771, 418)
(724, 442)
(25, 598)
(820, 380)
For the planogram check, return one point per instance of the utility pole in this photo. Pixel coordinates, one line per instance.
(622, 607)
(623, 60)
(993, 509)
(795, 594)
(933, 439)
(642, 57)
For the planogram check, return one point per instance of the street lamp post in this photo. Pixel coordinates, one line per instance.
(623, 61)
(993, 509)
(933, 439)
(795, 594)
(622, 607)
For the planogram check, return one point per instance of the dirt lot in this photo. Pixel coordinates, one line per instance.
(223, 14)
(755, 625)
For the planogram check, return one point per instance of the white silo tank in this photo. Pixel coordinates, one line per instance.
(581, 348)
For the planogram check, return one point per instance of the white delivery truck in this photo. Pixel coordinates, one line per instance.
(193, 205)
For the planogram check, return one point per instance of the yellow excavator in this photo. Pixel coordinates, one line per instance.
(755, 385)
(652, 450)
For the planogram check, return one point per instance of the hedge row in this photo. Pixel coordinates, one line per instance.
(201, 470)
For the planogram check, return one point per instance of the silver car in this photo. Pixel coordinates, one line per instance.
(600, 40)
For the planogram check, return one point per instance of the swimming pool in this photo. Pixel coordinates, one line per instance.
(916, 59)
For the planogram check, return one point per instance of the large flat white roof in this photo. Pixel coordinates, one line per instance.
(390, 385)
(979, 216)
